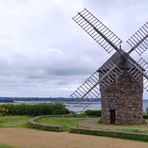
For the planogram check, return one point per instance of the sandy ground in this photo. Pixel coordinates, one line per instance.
(30, 138)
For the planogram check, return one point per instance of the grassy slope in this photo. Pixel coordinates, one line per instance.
(14, 121)
(92, 123)
(71, 122)
(61, 121)
(21, 121)
(5, 146)
(139, 128)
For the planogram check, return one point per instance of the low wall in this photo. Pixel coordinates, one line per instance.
(110, 133)
(36, 125)
(98, 132)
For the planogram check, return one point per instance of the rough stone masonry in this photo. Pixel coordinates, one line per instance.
(121, 102)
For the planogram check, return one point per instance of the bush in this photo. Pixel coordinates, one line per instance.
(36, 109)
(3, 111)
(93, 113)
(147, 110)
(145, 116)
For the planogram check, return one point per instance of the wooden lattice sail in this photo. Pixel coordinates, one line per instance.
(121, 77)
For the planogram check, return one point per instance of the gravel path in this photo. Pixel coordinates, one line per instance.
(30, 138)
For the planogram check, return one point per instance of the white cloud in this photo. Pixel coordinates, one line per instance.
(44, 53)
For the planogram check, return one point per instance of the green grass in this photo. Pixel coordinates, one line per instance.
(67, 123)
(89, 123)
(5, 146)
(14, 121)
(139, 128)
(133, 130)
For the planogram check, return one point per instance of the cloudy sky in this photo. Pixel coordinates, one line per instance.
(43, 52)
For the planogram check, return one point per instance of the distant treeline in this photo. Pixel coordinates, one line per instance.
(57, 99)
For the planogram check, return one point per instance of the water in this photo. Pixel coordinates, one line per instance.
(145, 105)
(76, 107)
(96, 106)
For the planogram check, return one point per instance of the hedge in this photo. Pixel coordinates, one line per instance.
(93, 113)
(36, 109)
(97, 113)
(145, 116)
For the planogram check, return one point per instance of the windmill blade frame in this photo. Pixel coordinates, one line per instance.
(90, 88)
(139, 41)
(122, 101)
(137, 74)
(109, 41)
(97, 30)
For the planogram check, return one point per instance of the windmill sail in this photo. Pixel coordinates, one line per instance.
(139, 41)
(145, 83)
(83, 95)
(109, 41)
(136, 74)
(144, 64)
(90, 90)
(97, 30)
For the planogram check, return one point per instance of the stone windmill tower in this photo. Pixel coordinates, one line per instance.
(122, 101)
(121, 79)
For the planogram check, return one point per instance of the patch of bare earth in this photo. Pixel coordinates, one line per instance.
(30, 138)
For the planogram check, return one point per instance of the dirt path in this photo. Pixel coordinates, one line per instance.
(30, 138)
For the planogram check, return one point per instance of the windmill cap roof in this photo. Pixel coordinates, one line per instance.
(120, 61)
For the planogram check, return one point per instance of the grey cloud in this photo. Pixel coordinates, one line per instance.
(44, 53)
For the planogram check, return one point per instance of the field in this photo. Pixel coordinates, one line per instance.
(30, 138)
(67, 123)
(14, 121)
(16, 134)
(141, 128)
(93, 123)
(5, 146)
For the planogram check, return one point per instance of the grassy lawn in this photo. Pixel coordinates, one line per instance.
(93, 123)
(61, 121)
(21, 121)
(14, 121)
(5, 146)
(68, 122)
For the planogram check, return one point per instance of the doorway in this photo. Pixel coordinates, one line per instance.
(112, 116)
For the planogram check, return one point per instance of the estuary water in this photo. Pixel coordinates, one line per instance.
(96, 106)
(76, 107)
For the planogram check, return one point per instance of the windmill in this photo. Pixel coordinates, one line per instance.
(121, 79)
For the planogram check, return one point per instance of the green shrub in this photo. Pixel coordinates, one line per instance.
(3, 111)
(145, 116)
(93, 113)
(147, 110)
(36, 109)
(81, 115)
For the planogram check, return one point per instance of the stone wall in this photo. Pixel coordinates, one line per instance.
(99, 132)
(125, 97)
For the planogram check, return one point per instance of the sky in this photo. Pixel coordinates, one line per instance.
(44, 53)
